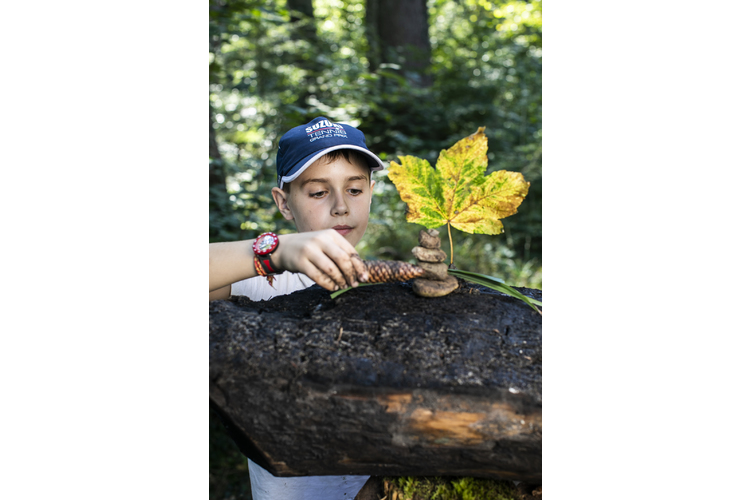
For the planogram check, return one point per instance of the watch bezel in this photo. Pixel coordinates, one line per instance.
(259, 251)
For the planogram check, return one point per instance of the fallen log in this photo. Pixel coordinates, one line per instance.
(380, 381)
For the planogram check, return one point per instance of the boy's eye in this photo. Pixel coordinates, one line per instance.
(355, 192)
(319, 194)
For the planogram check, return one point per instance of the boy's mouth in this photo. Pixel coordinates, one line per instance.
(343, 230)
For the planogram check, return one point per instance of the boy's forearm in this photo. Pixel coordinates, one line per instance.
(229, 263)
(324, 256)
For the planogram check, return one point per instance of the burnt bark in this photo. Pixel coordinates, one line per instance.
(380, 381)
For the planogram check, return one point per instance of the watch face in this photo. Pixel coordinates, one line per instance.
(265, 243)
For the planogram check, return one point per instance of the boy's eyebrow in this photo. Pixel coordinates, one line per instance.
(324, 181)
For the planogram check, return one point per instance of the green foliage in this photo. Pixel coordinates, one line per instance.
(228, 476)
(484, 75)
(443, 488)
(486, 71)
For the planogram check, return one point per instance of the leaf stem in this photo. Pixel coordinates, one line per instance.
(451, 241)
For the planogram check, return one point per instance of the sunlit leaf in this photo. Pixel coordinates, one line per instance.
(457, 191)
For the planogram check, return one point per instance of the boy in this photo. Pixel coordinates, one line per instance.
(325, 187)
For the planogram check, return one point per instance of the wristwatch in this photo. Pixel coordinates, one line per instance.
(263, 246)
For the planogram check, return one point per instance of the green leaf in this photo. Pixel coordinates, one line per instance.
(456, 191)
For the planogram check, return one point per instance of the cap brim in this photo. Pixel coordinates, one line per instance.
(373, 161)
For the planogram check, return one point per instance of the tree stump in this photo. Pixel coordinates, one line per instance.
(380, 381)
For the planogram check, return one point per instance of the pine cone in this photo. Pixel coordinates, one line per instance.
(391, 271)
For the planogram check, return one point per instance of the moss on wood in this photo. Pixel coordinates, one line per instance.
(448, 488)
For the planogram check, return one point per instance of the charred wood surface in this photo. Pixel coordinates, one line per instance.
(380, 381)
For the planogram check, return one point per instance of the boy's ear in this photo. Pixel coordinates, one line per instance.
(372, 188)
(280, 197)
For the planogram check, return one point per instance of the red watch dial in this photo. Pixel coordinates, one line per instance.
(265, 244)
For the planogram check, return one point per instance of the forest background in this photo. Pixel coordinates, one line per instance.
(415, 76)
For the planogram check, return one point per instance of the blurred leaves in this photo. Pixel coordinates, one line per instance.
(228, 475)
(486, 71)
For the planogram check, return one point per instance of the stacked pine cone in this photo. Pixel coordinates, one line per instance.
(390, 271)
(435, 282)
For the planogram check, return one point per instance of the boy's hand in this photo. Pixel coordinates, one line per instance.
(324, 256)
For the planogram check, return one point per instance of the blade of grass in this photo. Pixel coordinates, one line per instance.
(477, 275)
(495, 284)
(339, 292)
(480, 279)
(492, 282)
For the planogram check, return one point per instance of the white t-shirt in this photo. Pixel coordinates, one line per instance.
(264, 485)
(283, 284)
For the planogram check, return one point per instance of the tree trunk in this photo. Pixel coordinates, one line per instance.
(302, 10)
(380, 381)
(216, 174)
(398, 33)
(303, 28)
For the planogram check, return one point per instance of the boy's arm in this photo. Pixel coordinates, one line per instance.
(220, 294)
(324, 256)
(229, 263)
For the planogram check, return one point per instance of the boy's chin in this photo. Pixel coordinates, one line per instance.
(353, 237)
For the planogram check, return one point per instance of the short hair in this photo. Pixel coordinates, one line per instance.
(351, 155)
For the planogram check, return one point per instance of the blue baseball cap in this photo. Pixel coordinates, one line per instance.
(303, 145)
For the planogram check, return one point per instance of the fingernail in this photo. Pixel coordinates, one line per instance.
(335, 288)
(355, 284)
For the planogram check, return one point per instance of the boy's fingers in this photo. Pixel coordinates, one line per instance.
(360, 268)
(326, 267)
(320, 278)
(341, 252)
(346, 264)
(331, 261)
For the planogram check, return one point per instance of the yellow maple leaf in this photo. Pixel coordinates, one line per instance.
(457, 192)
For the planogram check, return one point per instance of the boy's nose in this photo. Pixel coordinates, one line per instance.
(340, 207)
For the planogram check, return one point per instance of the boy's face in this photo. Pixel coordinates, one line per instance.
(334, 195)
